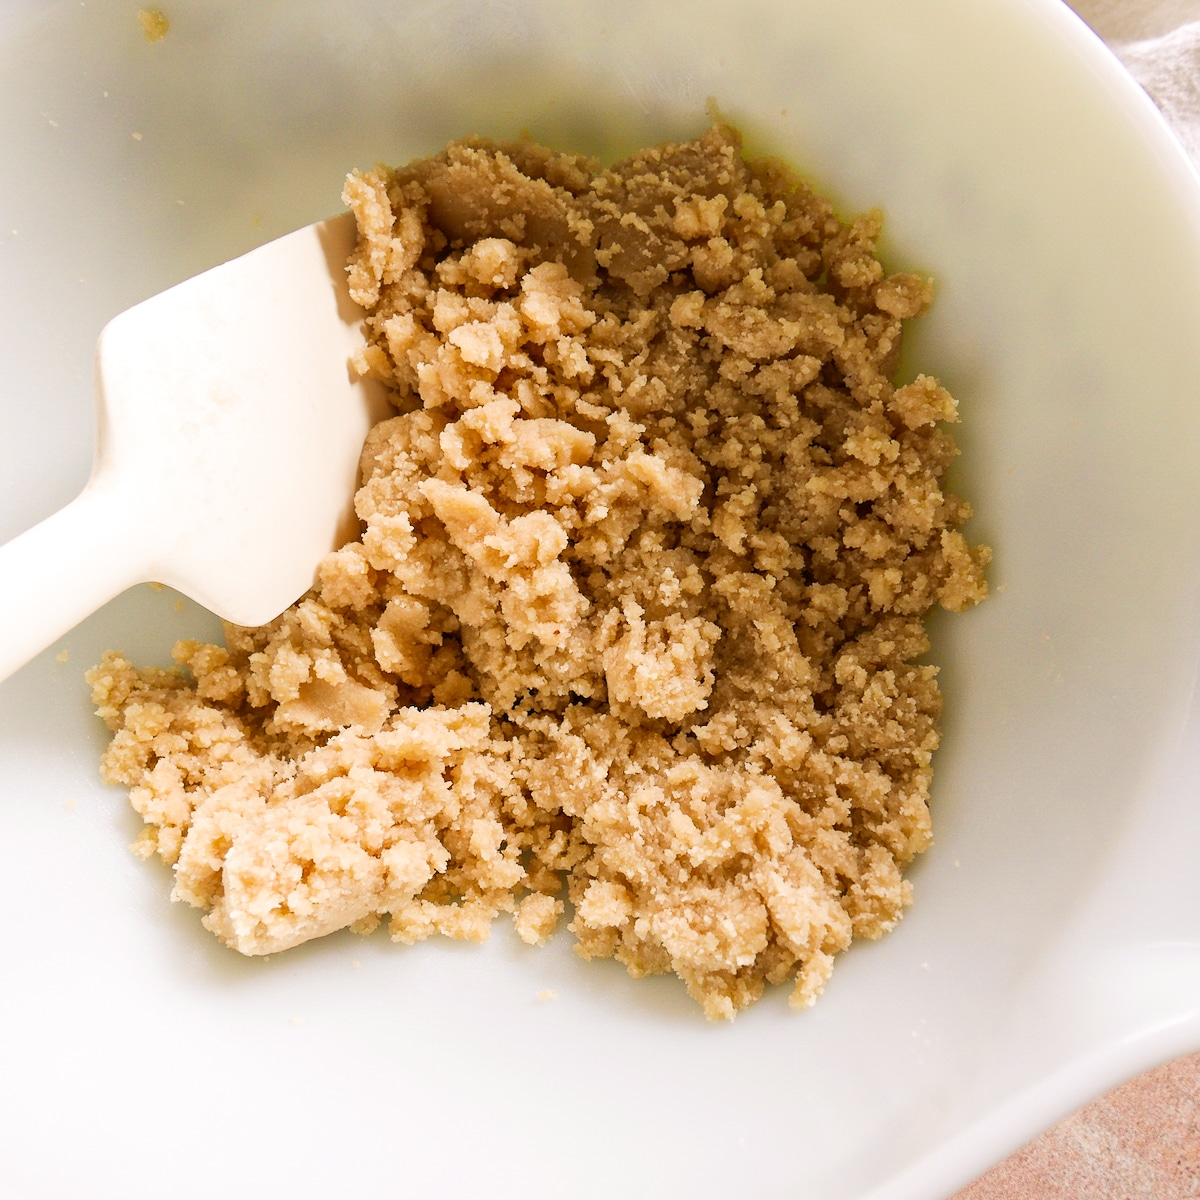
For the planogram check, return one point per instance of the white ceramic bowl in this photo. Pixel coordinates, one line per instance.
(1055, 944)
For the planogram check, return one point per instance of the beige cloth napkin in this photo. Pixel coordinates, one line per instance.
(1159, 41)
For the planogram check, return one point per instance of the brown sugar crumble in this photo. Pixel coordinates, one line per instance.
(634, 613)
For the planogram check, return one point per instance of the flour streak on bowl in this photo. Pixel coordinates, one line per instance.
(1054, 944)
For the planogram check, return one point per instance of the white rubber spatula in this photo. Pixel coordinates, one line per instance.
(229, 433)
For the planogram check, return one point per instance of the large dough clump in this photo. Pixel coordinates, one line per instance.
(634, 615)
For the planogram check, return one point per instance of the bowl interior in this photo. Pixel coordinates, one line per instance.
(1062, 228)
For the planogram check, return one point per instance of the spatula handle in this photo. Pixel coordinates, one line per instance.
(58, 572)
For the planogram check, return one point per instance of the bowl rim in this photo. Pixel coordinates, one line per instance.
(1024, 1115)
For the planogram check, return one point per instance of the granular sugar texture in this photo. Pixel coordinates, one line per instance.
(635, 611)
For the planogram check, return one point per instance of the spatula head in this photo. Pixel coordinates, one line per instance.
(231, 420)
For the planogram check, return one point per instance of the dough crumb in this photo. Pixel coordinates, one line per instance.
(633, 622)
(536, 917)
(155, 25)
(547, 994)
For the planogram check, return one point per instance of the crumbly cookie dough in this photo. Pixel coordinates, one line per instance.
(155, 25)
(635, 612)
